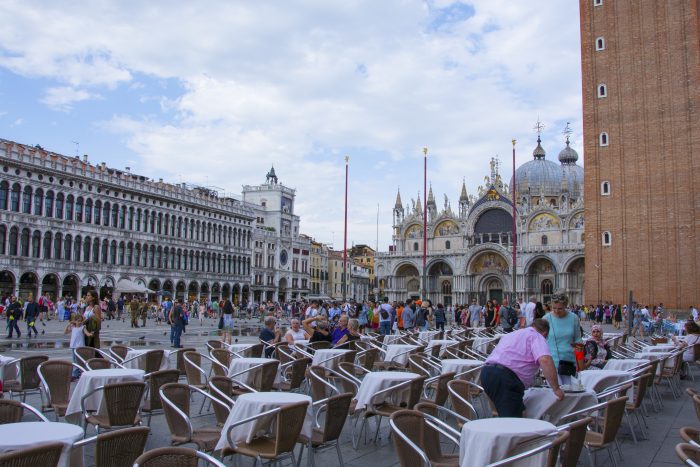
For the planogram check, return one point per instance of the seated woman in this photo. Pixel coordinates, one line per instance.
(318, 333)
(693, 338)
(295, 333)
(597, 350)
(340, 330)
(353, 334)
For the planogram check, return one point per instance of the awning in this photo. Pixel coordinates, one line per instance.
(127, 286)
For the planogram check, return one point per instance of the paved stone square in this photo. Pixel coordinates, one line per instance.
(658, 450)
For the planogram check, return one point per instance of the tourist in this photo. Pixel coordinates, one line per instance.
(78, 333)
(408, 316)
(617, 316)
(564, 334)
(14, 313)
(597, 351)
(440, 317)
(31, 313)
(176, 318)
(465, 316)
(133, 312)
(270, 334)
(693, 314)
(692, 339)
(512, 367)
(353, 334)
(385, 317)
(340, 330)
(399, 316)
(637, 321)
(428, 311)
(295, 333)
(508, 317)
(474, 315)
(539, 311)
(93, 320)
(61, 309)
(490, 318)
(318, 333)
(227, 321)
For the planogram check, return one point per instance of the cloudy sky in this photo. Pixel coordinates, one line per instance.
(214, 93)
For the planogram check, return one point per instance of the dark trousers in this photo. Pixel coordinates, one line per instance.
(177, 332)
(505, 390)
(12, 325)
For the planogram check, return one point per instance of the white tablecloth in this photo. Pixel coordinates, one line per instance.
(427, 335)
(491, 439)
(365, 337)
(460, 365)
(656, 356)
(481, 343)
(328, 358)
(391, 338)
(249, 405)
(443, 343)
(93, 379)
(624, 364)
(598, 380)
(241, 364)
(7, 372)
(15, 436)
(543, 404)
(240, 348)
(140, 363)
(660, 348)
(393, 351)
(376, 381)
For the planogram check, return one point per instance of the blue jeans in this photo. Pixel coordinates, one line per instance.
(385, 327)
(172, 334)
(177, 332)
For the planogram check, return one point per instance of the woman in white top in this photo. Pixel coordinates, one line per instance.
(295, 333)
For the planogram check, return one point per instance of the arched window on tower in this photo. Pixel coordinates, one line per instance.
(603, 139)
(607, 239)
(605, 188)
(602, 91)
(27, 200)
(600, 43)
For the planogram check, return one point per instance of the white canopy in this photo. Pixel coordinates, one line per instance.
(127, 286)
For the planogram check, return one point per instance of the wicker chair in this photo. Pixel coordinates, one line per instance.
(552, 446)
(176, 406)
(55, 378)
(443, 413)
(635, 407)
(118, 448)
(254, 351)
(571, 451)
(461, 391)
(294, 375)
(83, 354)
(690, 435)
(174, 457)
(196, 376)
(154, 360)
(214, 344)
(221, 387)
(180, 361)
(417, 442)
(289, 420)
(696, 403)
(98, 364)
(119, 351)
(261, 377)
(336, 409)
(45, 455)
(438, 384)
(12, 411)
(319, 345)
(155, 381)
(123, 404)
(688, 454)
(222, 356)
(366, 358)
(28, 380)
(318, 380)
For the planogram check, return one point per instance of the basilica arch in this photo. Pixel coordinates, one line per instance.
(440, 281)
(406, 281)
(489, 274)
(541, 278)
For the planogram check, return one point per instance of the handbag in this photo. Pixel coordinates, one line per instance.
(565, 367)
(221, 321)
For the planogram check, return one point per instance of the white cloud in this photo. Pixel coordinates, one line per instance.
(299, 83)
(62, 98)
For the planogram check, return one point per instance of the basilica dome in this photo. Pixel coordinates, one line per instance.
(544, 176)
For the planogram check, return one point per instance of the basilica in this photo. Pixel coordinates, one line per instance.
(469, 253)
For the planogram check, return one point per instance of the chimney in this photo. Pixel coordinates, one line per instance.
(128, 169)
(85, 158)
(160, 180)
(103, 165)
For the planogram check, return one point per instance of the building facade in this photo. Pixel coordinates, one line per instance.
(319, 270)
(470, 251)
(364, 256)
(68, 226)
(641, 127)
(281, 254)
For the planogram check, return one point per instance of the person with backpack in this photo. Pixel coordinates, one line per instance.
(420, 321)
(385, 317)
(14, 314)
(508, 316)
(176, 320)
(440, 317)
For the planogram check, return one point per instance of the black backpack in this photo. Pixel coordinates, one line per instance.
(383, 313)
(511, 316)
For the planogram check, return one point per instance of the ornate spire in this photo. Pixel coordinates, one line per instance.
(398, 204)
(538, 153)
(419, 205)
(431, 198)
(463, 195)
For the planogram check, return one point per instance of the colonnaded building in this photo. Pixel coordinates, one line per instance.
(68, 226)
(470, 251)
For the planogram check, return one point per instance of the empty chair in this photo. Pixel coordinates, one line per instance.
(28, 380)
(571, 450)
(174, 457)
(222, 356)
(12, 411)
(176, 406)
(152, 404)
(319, 345)
(336, 412)
(260, 378)
(254, 351)
(551, 445)
(416, 438)
(690, 435)
(214, 344)
(179, 360)
(55, 378)
(45, 455)
(293, 375)
(154, 360)
(83, 354)
(196, 376)
(119, 448)
(366, 358)
(438, 386)
(221, 387)
(279, 444)
(688, 454)
(119, 351)
(98, 364)
(461, 391)
(122, 403)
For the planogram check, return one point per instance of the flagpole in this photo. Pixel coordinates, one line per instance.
(515, 233)
(345, 236)
(425, 218)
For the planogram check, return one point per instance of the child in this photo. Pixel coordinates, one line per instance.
(77, 331)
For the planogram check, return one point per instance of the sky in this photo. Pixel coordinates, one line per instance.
(214, 93)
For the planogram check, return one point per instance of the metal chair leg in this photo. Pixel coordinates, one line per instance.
(340, 456)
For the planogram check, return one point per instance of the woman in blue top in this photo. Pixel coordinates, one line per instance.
(564, 332)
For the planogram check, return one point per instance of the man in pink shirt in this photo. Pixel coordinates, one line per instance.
(512, 367)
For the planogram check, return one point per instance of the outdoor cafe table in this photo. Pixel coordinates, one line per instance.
(660, 348)
(249, 405)
(656, 356)
(598, 380)
(240, 348)
(140, 362)
(23, 435)
(481, 343)
(427, 335)
(378, 380)
(93, 379)
(541, 403)
(460, 365)
(391, 338)
(443, 343)
(393, 351)
(488, 440)
(624, 364)
(241, 364)
(328, 358)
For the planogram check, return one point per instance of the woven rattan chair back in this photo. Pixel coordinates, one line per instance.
(290, 420)
(180, 361)
(612, 418)
(254, 351)
(411, 424)
(173, 457)
(688, 454)
(179, 395)
(268, 372)
(123, 401)
(194, 377)
(29, 378)
(224, 385)
(156, 380)
(154, 359)
(415, 391)
(85, 353)
(320, 345)
(214, 344)
(119, 350)
(318, 389)
(283, 353)
(574, 445)
(99, 364)
(460, 398)
(368, 358)
(416, 364)
(57, 375)
(45, 455)
(349, 357)
(441, 392)
(298, 373)
(337, 409)
(222, 356)
(120, 448)
(11, 411)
